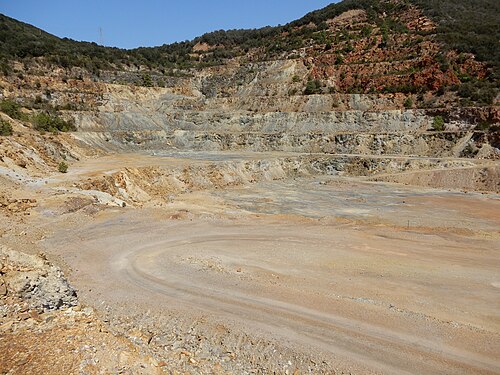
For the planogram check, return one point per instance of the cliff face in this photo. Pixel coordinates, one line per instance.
(358, 124)
(260, 115)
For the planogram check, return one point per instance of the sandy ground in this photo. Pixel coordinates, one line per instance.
(310, 275)
(365, 292)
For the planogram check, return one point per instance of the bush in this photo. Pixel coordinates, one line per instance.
(62, 167)
(408, 103)
(11, 109)
(483, 126)
(51, 123)
(438, 124)
(312, 87)
(478, 92)
(147, 81)
(366, 31)
(5, 128)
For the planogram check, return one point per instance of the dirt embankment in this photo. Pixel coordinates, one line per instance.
(467, 179)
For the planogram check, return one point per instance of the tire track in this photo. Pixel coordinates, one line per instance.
(390, 352)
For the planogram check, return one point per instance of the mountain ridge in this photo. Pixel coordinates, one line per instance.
(430, 55)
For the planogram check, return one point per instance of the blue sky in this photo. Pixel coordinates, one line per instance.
(129, 24)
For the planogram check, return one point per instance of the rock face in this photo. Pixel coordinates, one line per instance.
(36, 281)
(159, 119)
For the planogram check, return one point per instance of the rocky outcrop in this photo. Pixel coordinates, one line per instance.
(34, 280)
(159, 184)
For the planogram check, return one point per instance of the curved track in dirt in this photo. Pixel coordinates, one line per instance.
(392, 302)
(379, 348)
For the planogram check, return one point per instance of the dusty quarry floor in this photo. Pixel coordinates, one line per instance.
(300, 275)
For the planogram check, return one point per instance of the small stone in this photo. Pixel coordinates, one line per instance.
(3, 288)
(88, 311)
(6, 326)
(24, 316)
(124, 357)
(35, 315)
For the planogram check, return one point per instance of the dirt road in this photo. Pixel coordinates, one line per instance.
(363, 297)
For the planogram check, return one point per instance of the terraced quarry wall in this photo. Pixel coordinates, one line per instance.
(221, 142)
(361, 135)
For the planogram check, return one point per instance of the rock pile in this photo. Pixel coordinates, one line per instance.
(34, 280)
(14, 206)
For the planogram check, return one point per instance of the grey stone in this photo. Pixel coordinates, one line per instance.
(39, 283)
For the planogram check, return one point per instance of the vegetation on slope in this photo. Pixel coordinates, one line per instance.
(47, 120)
(5, 128)
(468, 26)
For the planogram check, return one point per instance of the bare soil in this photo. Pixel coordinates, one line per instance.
(295, 275)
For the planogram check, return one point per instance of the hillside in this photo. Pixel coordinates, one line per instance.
(385, 47)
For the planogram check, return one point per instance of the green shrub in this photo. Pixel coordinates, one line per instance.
(147, 81)
(366, 31)
(483, 126)
(62, 167)
(5, 128)
(481, 93)
(408, 103)
(51, 123)
(438, 124)
(11, 109)
(348, 48)
(312, 87)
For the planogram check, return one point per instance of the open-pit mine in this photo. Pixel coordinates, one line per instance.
(223, 226)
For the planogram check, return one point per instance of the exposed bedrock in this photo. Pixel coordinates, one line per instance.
(36, 281)
(429, 144)
(340, 124)
(292, 122)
